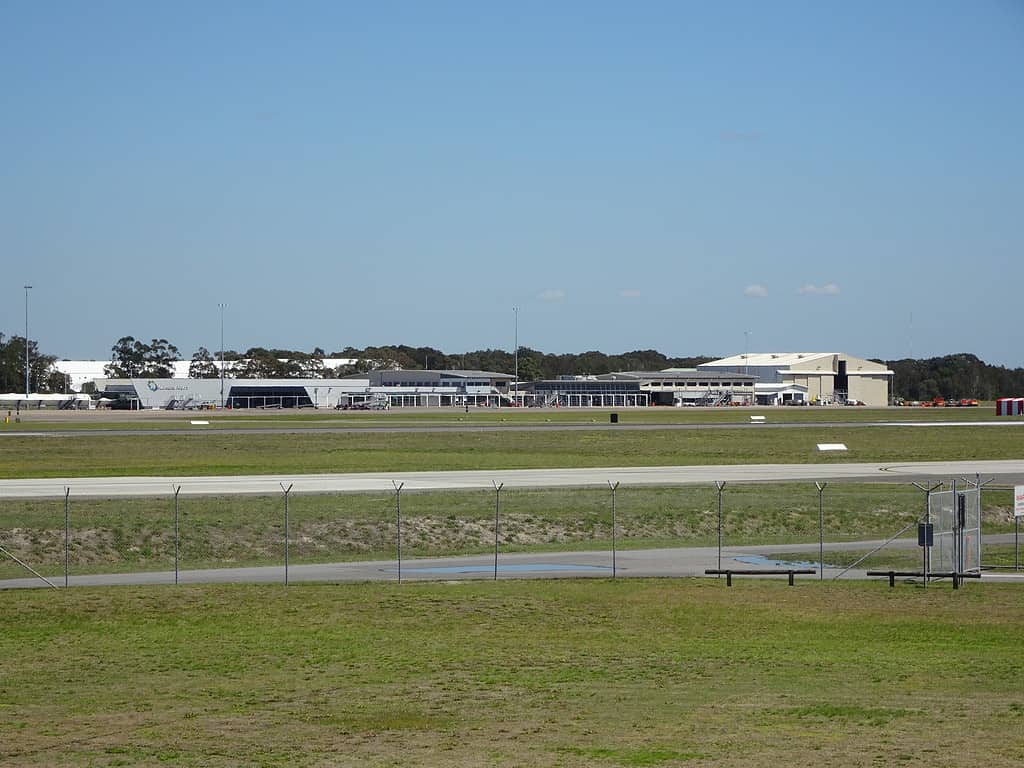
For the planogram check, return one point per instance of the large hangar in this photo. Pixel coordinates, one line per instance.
(827, 377)
(384, 388)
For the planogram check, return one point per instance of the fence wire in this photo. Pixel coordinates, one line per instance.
(120, 535)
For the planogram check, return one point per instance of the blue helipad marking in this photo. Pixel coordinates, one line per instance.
(525, 567)
(762, 560)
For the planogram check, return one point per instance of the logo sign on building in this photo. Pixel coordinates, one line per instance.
(1018, 501)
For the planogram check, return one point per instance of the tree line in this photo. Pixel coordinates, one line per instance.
(953, 376)
(132, 358)
(43, 377)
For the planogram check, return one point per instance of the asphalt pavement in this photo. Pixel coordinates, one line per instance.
(1008, 472)
(674, 562)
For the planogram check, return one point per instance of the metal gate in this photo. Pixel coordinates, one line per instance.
(957, 519)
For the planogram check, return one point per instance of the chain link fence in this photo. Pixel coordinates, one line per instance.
(759, 523)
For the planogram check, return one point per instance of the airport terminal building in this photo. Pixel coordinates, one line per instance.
(376, 389)
(762, 379)
(674, 386)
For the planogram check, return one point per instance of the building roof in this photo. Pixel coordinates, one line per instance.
(799, 362)
(398, 374)
(770, 359)
(673, 373)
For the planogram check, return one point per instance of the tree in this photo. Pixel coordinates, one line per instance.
(202, 365)
(308, 366)
(133, 359)
(127, 359)
(530, 364)
(12, 367)
(160, 359)
(260, 363)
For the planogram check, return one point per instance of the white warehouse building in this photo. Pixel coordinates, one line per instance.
(818, 377)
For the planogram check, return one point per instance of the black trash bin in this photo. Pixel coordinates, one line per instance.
(614, 418)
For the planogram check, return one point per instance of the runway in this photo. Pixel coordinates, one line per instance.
(1005, 472)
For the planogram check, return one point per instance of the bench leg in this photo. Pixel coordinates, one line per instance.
(791, 578)
(728, 578)
(892, 579)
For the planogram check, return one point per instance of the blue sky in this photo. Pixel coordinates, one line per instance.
(824, 176)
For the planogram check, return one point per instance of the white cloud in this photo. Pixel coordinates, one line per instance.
(552, 294)
(828, 289)
(756, 290)
(630, 293)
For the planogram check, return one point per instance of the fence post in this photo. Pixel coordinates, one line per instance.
(821, 533)
(286, 492)
(614, 486)
(67, 534)
(926, 550)
(398, 512)
(497, 508)
(177, 490)
(720, 485)
(958, 534)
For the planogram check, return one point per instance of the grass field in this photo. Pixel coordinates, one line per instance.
(560, 673)
(110, 535)
(454, 417)
(207, 453)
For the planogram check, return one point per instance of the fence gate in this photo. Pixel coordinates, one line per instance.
(957, 519)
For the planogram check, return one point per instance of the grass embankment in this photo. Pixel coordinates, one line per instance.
(110, 535)
(561, 673)
(211, 453)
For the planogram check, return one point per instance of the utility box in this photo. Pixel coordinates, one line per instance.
(926, 534)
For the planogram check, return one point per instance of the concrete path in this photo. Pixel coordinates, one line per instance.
(673, 562)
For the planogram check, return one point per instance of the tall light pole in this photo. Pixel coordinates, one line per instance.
(222, 308)
(516, 382)
(746, 353)
(27, 289)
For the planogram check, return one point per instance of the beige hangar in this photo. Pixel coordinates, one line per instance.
(829, 377)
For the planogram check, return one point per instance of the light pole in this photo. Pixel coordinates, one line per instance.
(27, 288)
(516, 357)
(746, 360)
(222, 308)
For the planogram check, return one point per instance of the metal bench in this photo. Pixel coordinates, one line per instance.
(729, 572)
(956, 577)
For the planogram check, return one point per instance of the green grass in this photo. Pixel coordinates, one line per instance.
(313, 452)
(526, 673)
(454, 417)
(899, 559)
(124, 534)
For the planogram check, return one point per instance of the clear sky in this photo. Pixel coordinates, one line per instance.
(691, 177)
